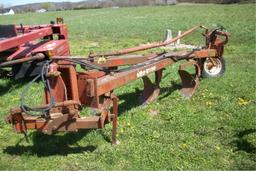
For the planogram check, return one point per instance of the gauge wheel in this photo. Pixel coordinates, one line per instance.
(210, 70)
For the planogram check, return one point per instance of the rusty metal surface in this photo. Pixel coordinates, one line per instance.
(105, 84)
(151, 90)
(114, 120)
(148, 46)
(189, 82)
(62, 123)
(38, 56)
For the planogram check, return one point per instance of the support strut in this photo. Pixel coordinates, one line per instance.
(189, 82)
(151, 90)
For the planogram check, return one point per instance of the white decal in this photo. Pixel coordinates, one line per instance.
(49, 46)
(146, 71)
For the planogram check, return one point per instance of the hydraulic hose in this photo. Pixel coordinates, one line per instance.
(41, 111)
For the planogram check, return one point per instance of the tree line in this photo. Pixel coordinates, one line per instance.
(89, 4)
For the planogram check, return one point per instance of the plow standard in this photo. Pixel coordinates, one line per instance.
(68, 91)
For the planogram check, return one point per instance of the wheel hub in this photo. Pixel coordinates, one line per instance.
(212, 69)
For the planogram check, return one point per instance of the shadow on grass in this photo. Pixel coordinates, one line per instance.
(12, 84)
(166, 91)
(241, 143)
(47, 145)
(132, 99)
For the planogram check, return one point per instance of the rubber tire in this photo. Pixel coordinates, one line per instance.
(205, 74)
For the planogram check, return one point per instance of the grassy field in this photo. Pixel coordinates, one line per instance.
(216, 129)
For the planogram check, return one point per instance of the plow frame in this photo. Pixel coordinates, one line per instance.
(94, 88)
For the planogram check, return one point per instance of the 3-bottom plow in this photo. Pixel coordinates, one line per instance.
(68, 91)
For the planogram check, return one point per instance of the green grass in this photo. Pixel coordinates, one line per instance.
(210, 131)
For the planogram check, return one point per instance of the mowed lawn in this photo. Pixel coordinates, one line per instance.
(216, 129)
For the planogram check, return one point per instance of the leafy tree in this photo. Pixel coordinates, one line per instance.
(46, 5)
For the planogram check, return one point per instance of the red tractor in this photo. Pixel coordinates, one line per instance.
(24, 48)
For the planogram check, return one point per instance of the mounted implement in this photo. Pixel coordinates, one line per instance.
(68, 91)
